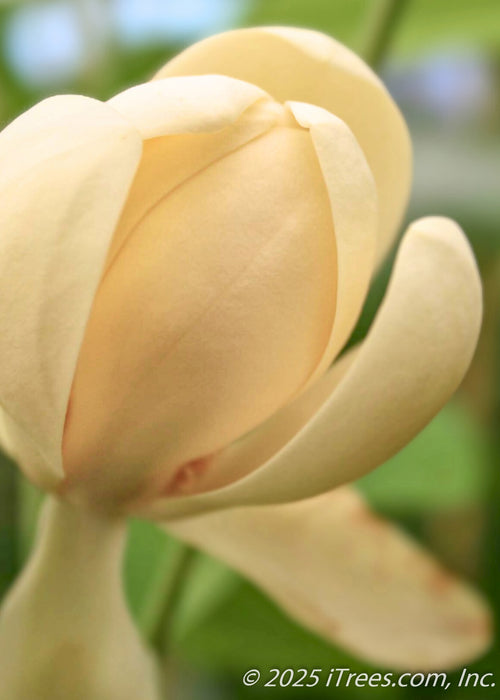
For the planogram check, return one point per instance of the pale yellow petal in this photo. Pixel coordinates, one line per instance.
(66, 167)
(197, 104)
(307, 66)
(348, 254)
(169, 161)
(413, 359)
(243, 456)
(353, 198)
(230, 281)
(350, 577)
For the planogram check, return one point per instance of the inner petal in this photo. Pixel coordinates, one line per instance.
(169, 161)
(212, 316)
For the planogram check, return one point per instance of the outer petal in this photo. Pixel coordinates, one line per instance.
(198, 104)
(303, 65)
(66, 167)
(350, 577)
(413, 359)
(353, 197)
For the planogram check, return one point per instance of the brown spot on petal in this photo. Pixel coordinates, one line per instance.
(440, 583)
(187, 476)
(370, 520)
(474, 626)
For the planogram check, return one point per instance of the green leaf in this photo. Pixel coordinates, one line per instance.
(248, 631)
(149, 551)
(31, 499)
(210, 584)
(147, 547)
(426, 24)
(445, 467)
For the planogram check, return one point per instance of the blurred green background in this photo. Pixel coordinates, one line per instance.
(442, 65)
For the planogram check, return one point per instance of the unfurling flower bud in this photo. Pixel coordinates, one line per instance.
(195, 253)
(216, 305)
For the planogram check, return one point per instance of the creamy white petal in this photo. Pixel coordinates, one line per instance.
(67, 165)
(352, 578)
(413, 359)
(171, 160)
(307, 66)
(250, 296)
(194, 104)
(233, 278)
(353, 198)
(255, 449)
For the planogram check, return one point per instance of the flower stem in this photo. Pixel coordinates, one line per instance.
(65, 630)
(165, 596)
(381, 25)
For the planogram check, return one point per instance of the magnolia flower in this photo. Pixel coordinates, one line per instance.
(180, 268)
